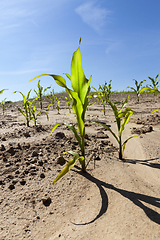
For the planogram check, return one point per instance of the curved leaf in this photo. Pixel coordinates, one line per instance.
(1, 91)
(124, 144)
(125, 121)
(156, 110)
(123, 105)
(55, 126)
(124, 112)
(38, 77)
(69, 165)
(75, 133)
(108, 128)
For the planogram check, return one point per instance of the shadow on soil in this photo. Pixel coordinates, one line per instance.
(136, 198)
(148, 162)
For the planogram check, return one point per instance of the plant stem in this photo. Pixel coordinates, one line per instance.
(83, 154)
(120, 148)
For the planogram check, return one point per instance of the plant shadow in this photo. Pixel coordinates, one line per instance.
(135, 198)
(147, 162)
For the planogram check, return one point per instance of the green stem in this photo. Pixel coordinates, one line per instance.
(83, 154)
(120, 148)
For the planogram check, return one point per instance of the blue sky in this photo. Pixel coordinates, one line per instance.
(120, 41)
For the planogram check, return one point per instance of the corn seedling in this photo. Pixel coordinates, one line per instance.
(3, 103)
(154, 86)
(35, 113)
(138, 89)
(68, 102)
(52, 98)
(25, 108)
(40, 93)
(103, 93)
(54, 101)
(58, 105)
(79, 92)
(91, 96)
(120, 124)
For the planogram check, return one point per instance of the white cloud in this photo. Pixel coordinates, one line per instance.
(94, 16)
(14, 13)
(20, 72)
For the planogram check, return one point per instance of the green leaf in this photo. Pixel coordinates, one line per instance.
(144, 89)
(38, 77)
(22, 112)
(124, 104)
(80, 158)
(28, 94)
(124, 112)
(125, 121)
(124, 144)
(59, 80)
(156, 110)
(108, 128)
(69, 165)
(71, 127)
(55, 126)
(75, 133)
(1, 91)
(115, 110)
(79, 82)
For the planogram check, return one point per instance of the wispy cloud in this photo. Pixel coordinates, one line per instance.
(113, 46)
(14, 13)
(21, 72)
(93, 15)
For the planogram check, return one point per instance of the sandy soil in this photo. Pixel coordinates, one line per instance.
(115, 200)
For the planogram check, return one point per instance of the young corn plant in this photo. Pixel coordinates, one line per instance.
(52, 99)
(154, 84)
(91, 96)
(125, 114)
(68, 102)
(40, 93)
(58, 105)
(103, 93)
(79, 92)
(138, 89)
(34, 113)
(25, 108)
(3, 103)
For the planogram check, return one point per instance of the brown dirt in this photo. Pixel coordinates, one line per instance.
(115, 200)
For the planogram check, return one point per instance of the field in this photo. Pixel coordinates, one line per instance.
(115, 199)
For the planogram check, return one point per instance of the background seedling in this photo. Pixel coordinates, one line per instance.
(68, 102)
(154, 84)
(103, 93)
(40, 93)
(125, 114)
(25, 108)
(35, 113)
(52, 99)
(138, 89)
(3, 103)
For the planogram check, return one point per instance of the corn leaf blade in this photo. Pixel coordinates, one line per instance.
(125, 121)
(108, 128)
(69, 165)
